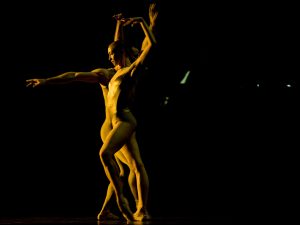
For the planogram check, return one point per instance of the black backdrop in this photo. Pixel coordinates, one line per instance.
(209, 149)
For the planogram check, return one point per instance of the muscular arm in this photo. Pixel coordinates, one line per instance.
(150, 42)
(153, 14)
(66, 77)
(96, 76)
(100, 75)
(119, 33)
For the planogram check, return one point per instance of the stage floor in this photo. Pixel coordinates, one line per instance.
(93, 221)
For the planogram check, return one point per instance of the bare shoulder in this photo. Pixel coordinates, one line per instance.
(104, 74)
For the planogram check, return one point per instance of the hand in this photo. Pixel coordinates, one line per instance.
(118, 16)
(131, 21)
(34, 82)
(153, 13)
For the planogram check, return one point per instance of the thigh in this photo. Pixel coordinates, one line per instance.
(117, 137)
(131, 150)
(105, 129)
(121, 156)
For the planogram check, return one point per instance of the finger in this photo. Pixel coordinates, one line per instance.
(152, 6)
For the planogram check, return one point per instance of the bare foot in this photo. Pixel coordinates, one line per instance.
(125, 210)
(141, 216)
(107, 215)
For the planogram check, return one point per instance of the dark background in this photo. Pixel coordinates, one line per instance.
(222, 145)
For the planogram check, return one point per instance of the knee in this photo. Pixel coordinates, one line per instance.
(105, 156)
(140, 166)
(137, 167)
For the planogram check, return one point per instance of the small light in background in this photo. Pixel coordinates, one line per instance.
(288, 85)
(166, 101)
(184, 79)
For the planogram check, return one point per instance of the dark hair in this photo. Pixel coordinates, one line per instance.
(119, 47)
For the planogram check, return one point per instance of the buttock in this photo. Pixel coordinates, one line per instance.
(126, 116)
(105, 129)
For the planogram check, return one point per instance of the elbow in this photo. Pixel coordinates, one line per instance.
(152, 43)
(76, 75)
